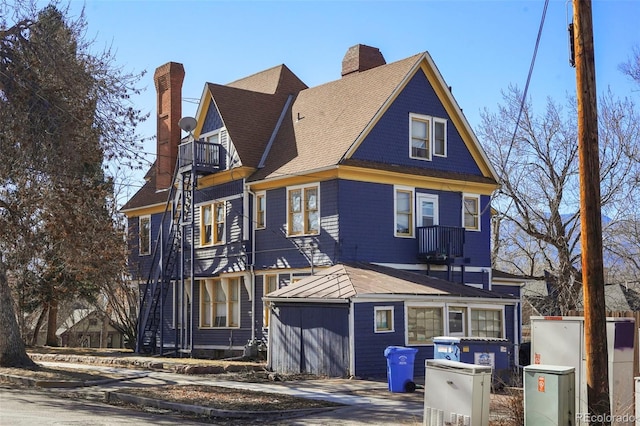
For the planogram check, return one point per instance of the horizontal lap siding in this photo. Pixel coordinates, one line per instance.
(309, 338)
(274, 249)
(388, 141)
(369, 346)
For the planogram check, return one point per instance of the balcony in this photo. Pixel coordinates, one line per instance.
(207, 157)
(440, 244)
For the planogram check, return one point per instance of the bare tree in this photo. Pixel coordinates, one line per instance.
(64, 111)
(538, 203)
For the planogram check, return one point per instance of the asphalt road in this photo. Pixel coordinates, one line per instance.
(24, 407)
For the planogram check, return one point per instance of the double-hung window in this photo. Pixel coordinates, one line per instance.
(428, 137)
(471, 212)
(403, 204)
(212, 223)
(270, 285)
(303, 209)
(144, 235)
(383, 319)
(220, 303)
(261, 207)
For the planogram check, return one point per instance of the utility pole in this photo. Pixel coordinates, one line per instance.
(590, 218)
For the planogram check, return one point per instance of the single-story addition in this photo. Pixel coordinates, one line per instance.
(338, 321)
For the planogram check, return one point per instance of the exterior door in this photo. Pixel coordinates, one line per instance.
(427, 209)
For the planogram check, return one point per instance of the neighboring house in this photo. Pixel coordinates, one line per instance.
(278, 183)
(86, 328)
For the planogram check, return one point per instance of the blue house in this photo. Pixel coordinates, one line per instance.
(278, 187)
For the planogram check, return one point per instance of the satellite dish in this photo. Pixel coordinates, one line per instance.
(188, 124)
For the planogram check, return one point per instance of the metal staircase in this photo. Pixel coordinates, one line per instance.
(165, 259)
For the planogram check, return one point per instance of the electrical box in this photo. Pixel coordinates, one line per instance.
(456, 393)
(560, 341)
(549, 395)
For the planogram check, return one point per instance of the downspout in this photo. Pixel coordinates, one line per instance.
(192, 208)
(252, 229)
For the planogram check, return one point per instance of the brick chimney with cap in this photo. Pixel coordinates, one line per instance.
(361, 58)
(168, 79)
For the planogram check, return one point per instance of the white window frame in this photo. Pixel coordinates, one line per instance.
(476, 197)
(442, 307)
(465, 320)
(431, 133)
(140, 220)
(447, 307)
(305, 212)
(411, 213)
(436, 208)
(266, 310)
(186, 294)
(214, 224)
(260, 195)
(444, 122)
(232, 316)
(391, 327)
(498, 308)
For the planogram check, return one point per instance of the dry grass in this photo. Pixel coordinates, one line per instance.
(227, 399)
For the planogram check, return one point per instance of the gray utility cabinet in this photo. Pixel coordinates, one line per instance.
(456, 393)
(549, 395)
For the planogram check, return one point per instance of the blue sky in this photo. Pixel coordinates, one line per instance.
(480, 47)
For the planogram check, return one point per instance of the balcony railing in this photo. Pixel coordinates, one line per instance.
(440, 243)
(207, 156)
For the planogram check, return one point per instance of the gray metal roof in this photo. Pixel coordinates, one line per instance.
(348, 281)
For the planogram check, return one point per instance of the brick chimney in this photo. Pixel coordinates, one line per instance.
(168, 79)
(361, 58)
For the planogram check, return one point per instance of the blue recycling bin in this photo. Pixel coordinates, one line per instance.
(400, 362)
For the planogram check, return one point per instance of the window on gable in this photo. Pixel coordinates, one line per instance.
(420, 144)
(471, 212)
(220, 303)
(212, 220)
(404, 212)
(428, 136)
(439, 137)
(383, 319)
(260, 210)
(303, 211)
(423, 324)
(144, 235)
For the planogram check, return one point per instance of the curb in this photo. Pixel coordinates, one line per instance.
(211, 412)
(26, 381)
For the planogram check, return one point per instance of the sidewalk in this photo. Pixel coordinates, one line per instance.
(365, 401)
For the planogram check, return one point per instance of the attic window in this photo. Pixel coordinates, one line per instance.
(428, 137)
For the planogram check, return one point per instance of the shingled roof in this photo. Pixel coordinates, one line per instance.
(147, 195)
(346, 281)
(326, 120)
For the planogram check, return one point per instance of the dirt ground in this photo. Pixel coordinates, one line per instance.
(508, 404)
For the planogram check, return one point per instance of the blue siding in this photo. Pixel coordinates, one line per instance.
(367, 225)
(370, 361)
(388, 141)
(276, 250)
(212, 120)
(139, 266)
